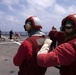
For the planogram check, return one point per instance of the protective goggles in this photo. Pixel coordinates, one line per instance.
(68, 27)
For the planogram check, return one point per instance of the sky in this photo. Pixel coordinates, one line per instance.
(13, 13)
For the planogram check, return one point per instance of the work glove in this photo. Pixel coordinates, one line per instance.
(45, 48)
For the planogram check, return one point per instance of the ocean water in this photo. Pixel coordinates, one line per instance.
(21, 33)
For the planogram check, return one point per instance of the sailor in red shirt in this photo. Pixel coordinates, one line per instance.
(57, 37)
(65, 54)
(26, 57)
(52, 37)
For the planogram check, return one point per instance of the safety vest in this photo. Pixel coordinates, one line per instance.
(32, 68)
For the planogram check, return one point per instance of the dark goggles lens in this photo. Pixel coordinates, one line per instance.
(24, 26)
(68, 27)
